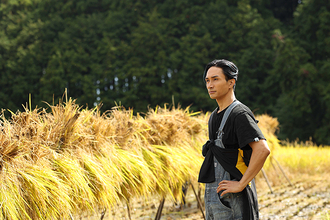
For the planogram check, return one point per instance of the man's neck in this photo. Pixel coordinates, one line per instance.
(225, 102)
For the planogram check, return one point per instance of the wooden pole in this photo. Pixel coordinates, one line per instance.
(271, 161)
(128, 211)
(199, 194)
(287, 178)
(71, 217)
(160, 209)
(103, 214)
(264, 174)
(198, 200)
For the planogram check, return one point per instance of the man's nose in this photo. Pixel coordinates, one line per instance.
(209, 85)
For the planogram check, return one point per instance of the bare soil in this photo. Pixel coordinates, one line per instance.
(307, 198)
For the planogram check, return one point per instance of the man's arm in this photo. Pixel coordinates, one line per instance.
(260, 152)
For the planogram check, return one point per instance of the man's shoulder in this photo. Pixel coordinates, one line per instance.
(241, 109)
(242, 112)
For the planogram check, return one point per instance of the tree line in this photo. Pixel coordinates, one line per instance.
(144, 53)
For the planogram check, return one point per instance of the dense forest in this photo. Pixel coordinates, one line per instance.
(144, 53)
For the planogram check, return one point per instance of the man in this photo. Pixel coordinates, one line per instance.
(229, 172)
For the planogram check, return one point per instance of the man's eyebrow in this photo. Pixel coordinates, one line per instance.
(212, 76)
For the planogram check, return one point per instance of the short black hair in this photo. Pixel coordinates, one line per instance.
(229, 68)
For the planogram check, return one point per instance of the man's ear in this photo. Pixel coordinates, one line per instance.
(232, 82)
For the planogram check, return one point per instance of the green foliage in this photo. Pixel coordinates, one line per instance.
(146, 53)
(311, 38)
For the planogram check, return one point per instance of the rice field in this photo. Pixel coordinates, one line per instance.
(67, 161)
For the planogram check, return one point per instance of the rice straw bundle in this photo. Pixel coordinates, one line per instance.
(269, 126)
(170, 126)
(74, 160)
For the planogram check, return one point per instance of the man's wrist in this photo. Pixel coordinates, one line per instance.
(242, 185)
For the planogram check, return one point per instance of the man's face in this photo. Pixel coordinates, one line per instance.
(216, 83)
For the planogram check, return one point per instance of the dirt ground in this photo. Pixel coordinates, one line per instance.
(307, 198)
